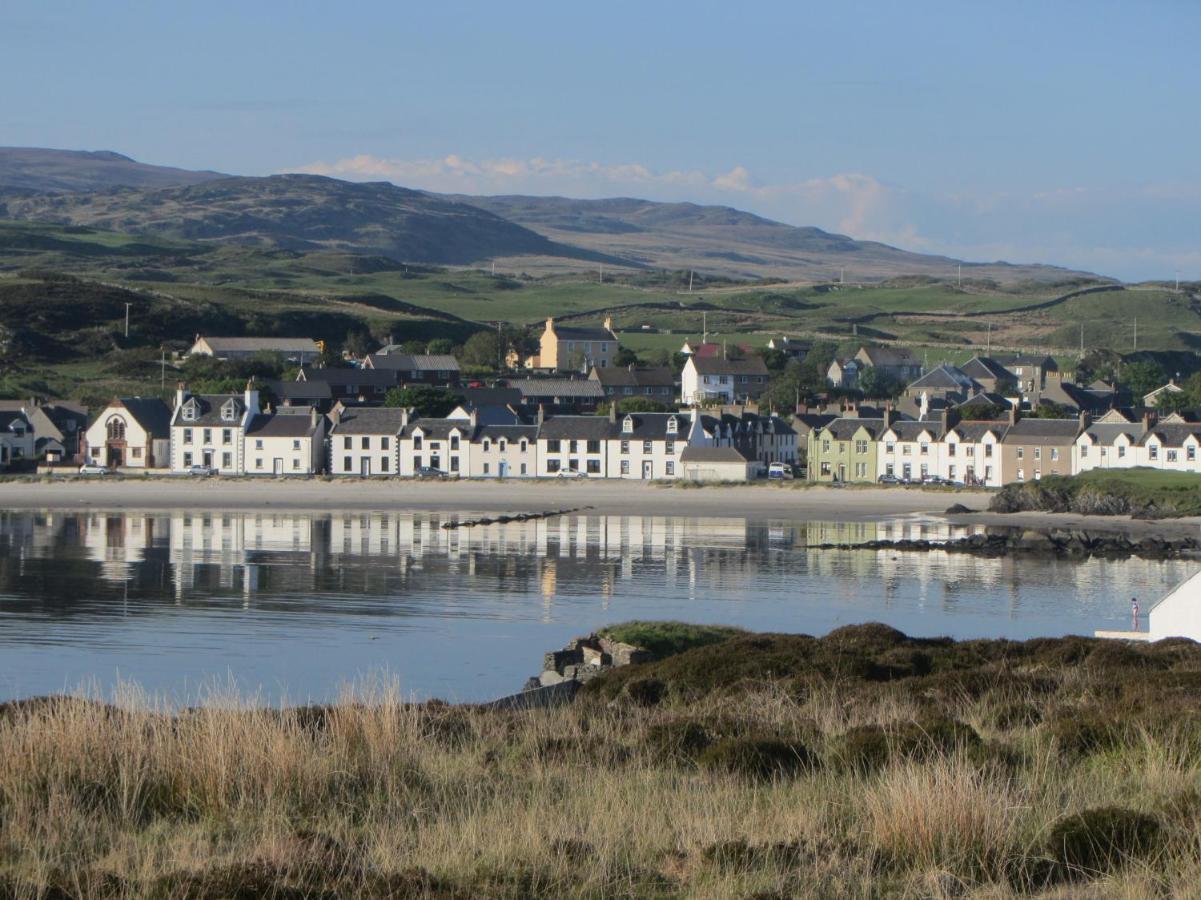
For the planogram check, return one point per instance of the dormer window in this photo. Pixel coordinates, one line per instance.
(189, 411)
(627, 425)
(673, 425)
(229, 411)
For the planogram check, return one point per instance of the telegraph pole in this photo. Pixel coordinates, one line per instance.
(988, 340)
(127, 305)
(690, 281)
(1136, 332)
(1081, 340)
(162, 378)
(960, 277)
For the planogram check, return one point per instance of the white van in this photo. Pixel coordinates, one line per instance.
(779, 471)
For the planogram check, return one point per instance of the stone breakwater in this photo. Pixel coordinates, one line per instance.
(516, 517)
(584, 658)
(1072, 543)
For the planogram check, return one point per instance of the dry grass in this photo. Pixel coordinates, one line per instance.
(376, 797)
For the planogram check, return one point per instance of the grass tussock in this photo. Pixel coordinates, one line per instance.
(865, 763)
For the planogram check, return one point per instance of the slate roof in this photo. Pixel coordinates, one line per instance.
(493, 396)
(492, 414)
(749, 365)
(1045, 431)
(974, 432)
(344, 377)
(369, 420)
(1105, 433)
(510, 433)
(558, 387)
(272, 425)
(209, 412)
(621, 376)
(712, 455)
(10, 417)
(153, 414)
(1174, 434)
(407, 362)
(299, 390)
(439, 429)
(269, 344)
(652, 426)
(844, 429)
(590, 428)
(986, 367)
(888, 356)
(582, 333)
(944, 378)
(912, 431)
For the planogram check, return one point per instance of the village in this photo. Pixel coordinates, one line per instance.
(572, 411)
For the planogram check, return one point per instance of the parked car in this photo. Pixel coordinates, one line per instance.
(779, 471)
(427, 472)
(201, 469)
(570, 473)
(889, 479)
(94, 469)
(935, 480)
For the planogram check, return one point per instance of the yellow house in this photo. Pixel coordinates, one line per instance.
(571, 349)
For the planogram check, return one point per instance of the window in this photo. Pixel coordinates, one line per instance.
(487, 445)
(187, 459)
(1121, 450)
(1021, 453)
(627, 425)
(227, 435)
(1021, 475)
(1038, 452)
(825, 468)
(347, 464)
(454, 442)
(384, 443)
(825, 446)
(889, 447)
(295, 463)
(1190, 453)
(673, 426)
(572, 446)
(1102, 452)
(189, 412)
(523, 469)
(951, 472)
(625, 467)
(416, 442)
(116, 429)
(552, 466)
(860, 446)
(416, 462)
(951, 449)
(647, 447)
(593, 447)
(383, 464)
(454, 464)
(486, 468)
(1054, 454)
(671, 468)
(135, 452)
(187, 435)
(594, 467)
(227, 460)
(1153, 451)
(258, 444)
(1083, 450)
(366, 443)
(925, 449)
(906, 449)
(671, 447)
(970, 450)
(625, 446)
(1171, 456)
(258, 463)
(502, 443)
(524, 445)
(228, 411)
(554, 446)
(208, 435)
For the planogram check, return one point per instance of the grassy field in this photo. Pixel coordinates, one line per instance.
(860, 764)
(1144, 493)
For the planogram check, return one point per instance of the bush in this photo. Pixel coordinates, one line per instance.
(1083, 732)
(762, 758)
(1099, 840)
(646, 691)
(867, 748)
(680, 739)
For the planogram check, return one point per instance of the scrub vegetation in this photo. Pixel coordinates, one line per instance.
(863, 763)
(1142, 493)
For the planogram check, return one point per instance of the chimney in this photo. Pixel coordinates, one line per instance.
(1147, 420)
(1083, 420)
(944, 419)
(608, 323)
(550, 323)
(404, 417)
(1013, 414)
(474, 417)
(251, 398)
(613, 412)
(802, 409)
(181, 394)
(890, 414)
(541, 414)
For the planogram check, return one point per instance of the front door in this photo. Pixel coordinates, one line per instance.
(278, 467)
(648, 470)
(208, 458)
(842, 472)
(365, 466)
(114, 457)
(504, 469)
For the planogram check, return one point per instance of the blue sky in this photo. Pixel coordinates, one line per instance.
(1063, 132)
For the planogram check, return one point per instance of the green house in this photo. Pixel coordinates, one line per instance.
(845, 450)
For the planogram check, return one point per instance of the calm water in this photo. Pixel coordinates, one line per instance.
(297, 605)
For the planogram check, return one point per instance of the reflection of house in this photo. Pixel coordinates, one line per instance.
(132, 432)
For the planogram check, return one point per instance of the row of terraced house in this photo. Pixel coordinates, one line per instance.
(233, 434)
(990, 453)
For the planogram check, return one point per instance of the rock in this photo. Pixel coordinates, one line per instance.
(549, 677)
(958, 509)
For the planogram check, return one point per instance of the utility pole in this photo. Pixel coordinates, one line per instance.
(1136, 332)
(988, 340)
(1082, 340)
(602, 273)
(959, 282)
(494, 268)
(162, 378)
(1178, 281)
(127, 305)
(690, 281)
(842, 275)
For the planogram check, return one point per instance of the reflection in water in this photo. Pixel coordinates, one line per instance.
(299, 603)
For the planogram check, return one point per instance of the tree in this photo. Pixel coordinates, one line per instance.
(1098, 364)
(440, 347)
(358, 343)
(1175, 401)
(625, 357)
(775, 360)
(425, 400)
(1142, 378)
(878, 384)
(1048, 410)
(481, 350)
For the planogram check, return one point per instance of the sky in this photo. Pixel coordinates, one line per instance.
(1063, 132)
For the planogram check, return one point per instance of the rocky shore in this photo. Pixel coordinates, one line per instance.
(1072, 543)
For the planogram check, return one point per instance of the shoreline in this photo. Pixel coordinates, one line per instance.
(751, 502)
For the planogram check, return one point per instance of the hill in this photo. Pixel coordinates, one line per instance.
(726, 241)
(43, 170)
(299, 212)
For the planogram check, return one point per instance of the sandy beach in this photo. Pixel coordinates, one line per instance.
(761, 501)
(612, 497)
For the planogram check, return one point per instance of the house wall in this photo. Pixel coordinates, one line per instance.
(138, 451)
(1031, 461)
(715, 471)
(1170, 459)
(591, 460)
(370, 454)
(1122, 454)
(440, 450)
(1179, 613)
(854, 460)
(978, 460)
(224, 441)
(488, 460)
(628, 455)
(909, 453)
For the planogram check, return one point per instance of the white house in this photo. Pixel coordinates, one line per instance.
(365, 441)
(1109, 445)
(971, 453)
(714, 464)
(208, 430)
(911, 450)
(288, 442)
(718, 380)
(17, 439)
(1178, 614)
(440, 444)
(574, 444)
(131, 432)
(1172, 447)
(647, 446)
(504, 451)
